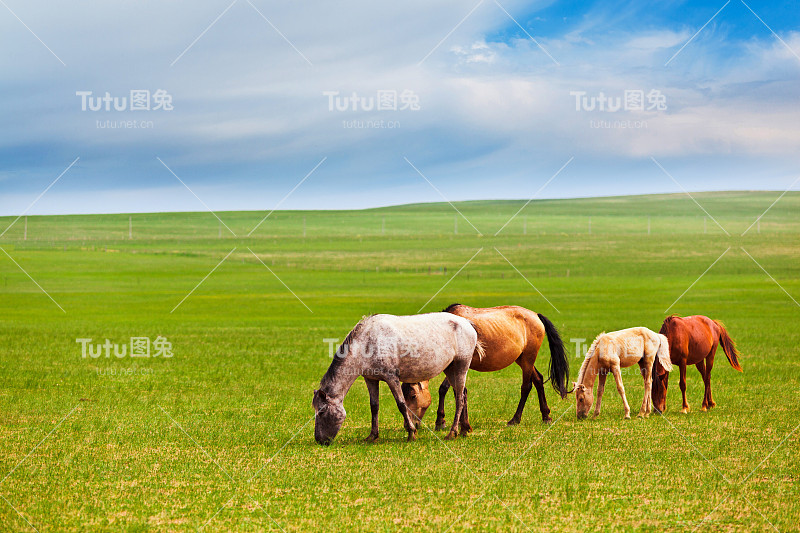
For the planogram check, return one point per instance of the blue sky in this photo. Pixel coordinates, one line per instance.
(497, 113)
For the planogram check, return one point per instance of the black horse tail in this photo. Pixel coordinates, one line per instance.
(728, 346)
(559, 365)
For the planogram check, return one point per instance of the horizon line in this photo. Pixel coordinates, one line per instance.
(409, 204)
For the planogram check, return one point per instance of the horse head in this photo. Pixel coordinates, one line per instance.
(584, 397)
(418, 398)
(659, 390)
(329, 417)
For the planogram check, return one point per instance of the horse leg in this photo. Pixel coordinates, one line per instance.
(601, 386)
(394, 385)
(457, 376)
(705, 372)
(646, 367)
(621, 388)
(709, 365)
(525, 390)
(538, 382)
(529, 356)
(466, 429)
(683, 388)
(443, 388)
(374, 396)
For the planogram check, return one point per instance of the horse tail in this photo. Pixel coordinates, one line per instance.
(728, 346)
(662, 355)
(559, 365)
(480, 351)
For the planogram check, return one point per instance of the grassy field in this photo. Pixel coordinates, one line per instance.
(220, 435)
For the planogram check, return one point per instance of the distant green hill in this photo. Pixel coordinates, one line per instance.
(664, 213)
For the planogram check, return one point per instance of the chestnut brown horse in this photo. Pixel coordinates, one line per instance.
(510, 334)
(693, 340)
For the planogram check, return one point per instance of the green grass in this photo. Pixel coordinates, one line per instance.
(248, 353)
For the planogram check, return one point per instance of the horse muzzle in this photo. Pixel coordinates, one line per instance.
(324, 441)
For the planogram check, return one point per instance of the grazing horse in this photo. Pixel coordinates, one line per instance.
(394, 349)
(693, 340)
(619, 349)
(418, 398)
(511, 334)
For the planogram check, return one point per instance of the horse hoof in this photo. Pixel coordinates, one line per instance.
(513, 422)
(547, 420)
(412, 437)
(371, 438)
(685, 410)
(640, 415)
(627, 417)
(704, 409)
(450, 436)
(440, 427)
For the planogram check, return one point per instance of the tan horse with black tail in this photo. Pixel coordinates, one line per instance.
(508, 334)
(612, 351)
(693, 340)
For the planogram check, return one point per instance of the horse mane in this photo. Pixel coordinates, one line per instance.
(665, 324)
(589, 354)
(450, 308)
(344, 350)
(353, 332)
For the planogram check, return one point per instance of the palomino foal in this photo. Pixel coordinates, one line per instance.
(619, 349)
